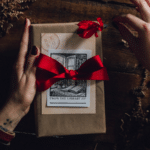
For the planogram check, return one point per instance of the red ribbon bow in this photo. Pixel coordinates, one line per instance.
(87, 28)
(50, 71)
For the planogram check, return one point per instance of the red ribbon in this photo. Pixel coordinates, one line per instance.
(50, 71)
(87, 28)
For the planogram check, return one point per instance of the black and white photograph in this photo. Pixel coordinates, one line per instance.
(68, 92)
(68, 87)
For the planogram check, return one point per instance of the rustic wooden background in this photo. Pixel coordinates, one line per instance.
(124, 70)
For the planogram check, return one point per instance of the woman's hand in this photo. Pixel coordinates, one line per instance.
(139, 45)
(23, 84)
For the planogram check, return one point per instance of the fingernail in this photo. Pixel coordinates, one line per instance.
(34, 50)
(115, 25)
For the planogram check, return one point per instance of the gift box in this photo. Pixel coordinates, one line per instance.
(69, 107)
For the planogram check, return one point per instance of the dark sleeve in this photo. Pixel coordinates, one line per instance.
(4, 146)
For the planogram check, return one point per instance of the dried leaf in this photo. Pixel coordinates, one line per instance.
(9, 10)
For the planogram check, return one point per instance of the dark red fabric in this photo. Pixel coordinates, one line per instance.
(6, 136)
(87, 28)
(50, 71)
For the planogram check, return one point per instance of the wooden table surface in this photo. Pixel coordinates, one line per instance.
(124, 71)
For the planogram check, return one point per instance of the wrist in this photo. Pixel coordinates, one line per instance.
(6, 136)
(11, 114)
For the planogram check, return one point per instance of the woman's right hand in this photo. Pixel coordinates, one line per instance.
(139, 45)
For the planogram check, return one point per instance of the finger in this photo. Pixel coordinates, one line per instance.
(144, 9)
(128, 36)
(132, 20)
(31, 59)
(148, 2)
(23, 49)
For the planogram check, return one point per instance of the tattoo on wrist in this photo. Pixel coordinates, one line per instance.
(7, 122)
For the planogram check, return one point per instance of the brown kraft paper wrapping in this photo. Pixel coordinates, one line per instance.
(87, 120)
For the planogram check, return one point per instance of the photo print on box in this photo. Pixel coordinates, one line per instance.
(68, 87)
(68, 92)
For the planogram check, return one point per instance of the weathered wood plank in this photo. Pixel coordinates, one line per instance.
(70, 10)
(115, 2)
(120, 1)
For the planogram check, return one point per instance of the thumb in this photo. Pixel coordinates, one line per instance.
(35, 52)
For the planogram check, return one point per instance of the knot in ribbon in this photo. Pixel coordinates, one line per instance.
(71, 74)
(87, 28)
(50, 71)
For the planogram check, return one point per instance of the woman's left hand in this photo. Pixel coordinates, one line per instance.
(23, 84)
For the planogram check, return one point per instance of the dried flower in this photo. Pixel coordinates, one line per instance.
(10, 10)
